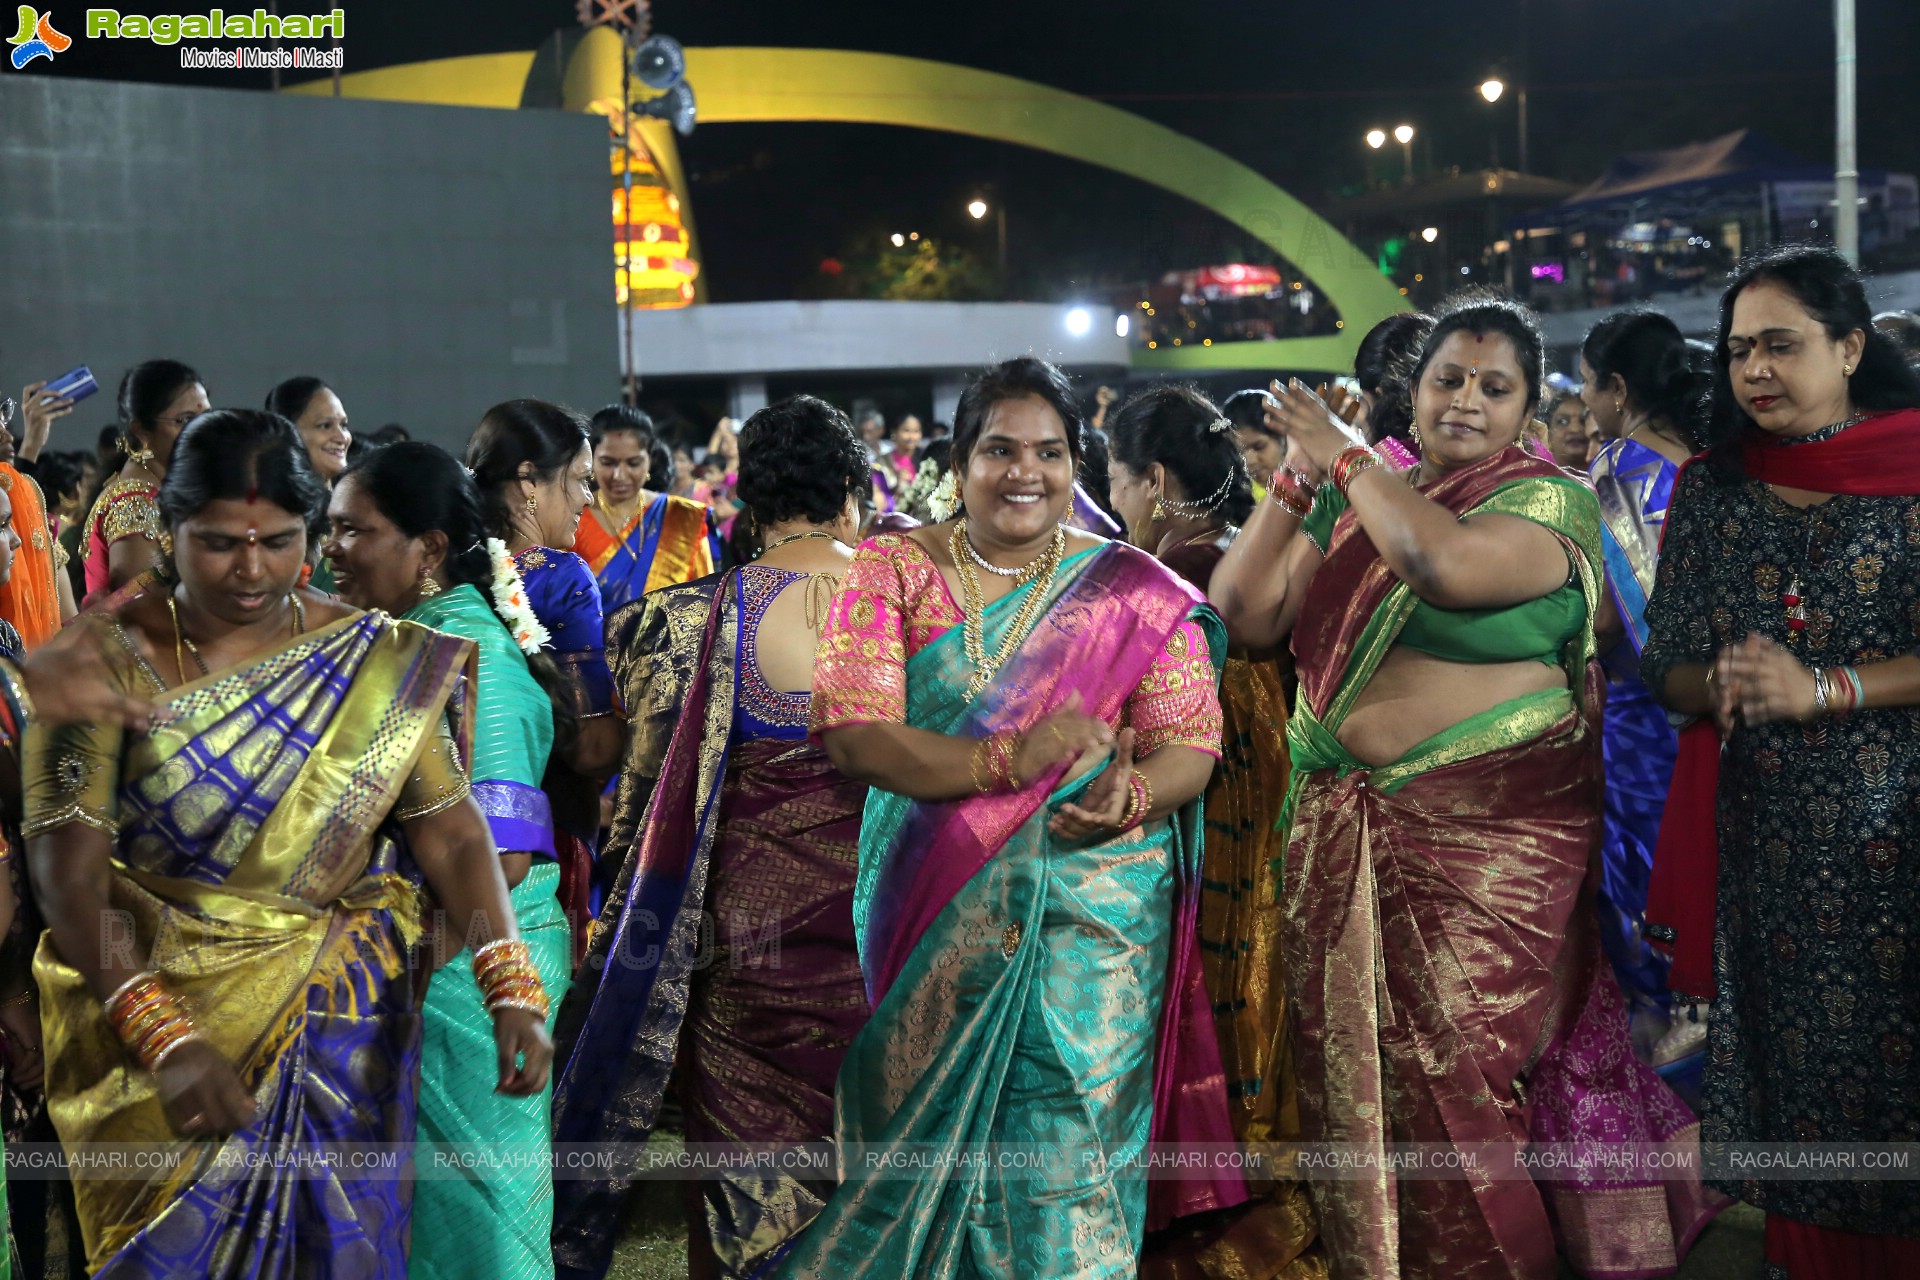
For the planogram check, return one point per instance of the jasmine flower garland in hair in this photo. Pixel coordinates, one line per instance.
(510, 601)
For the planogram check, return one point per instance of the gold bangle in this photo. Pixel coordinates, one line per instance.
(17, 686)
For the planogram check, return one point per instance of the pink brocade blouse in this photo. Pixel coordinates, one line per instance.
(894, 603)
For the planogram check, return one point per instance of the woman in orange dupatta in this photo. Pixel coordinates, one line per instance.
(1446, 986)
(636, 541)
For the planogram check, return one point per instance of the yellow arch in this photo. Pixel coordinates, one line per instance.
(738, 85)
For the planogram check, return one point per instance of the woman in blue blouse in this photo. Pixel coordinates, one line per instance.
(532, 461)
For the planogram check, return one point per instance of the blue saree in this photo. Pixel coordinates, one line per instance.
(1634, 484)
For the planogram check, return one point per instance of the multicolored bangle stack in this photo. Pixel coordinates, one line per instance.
(1292, 493)
(1837, 691)
(992, 763)
(149, 1019)
(1139, 801)
(1350, 464)
(507, 977)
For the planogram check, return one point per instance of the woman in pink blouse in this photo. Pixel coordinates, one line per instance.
(1035, 710)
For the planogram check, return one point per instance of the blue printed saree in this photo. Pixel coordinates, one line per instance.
(1634, 484)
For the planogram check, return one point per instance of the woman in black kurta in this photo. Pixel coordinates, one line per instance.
(1791, 565)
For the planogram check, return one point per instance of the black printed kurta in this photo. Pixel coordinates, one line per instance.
(1813, 1030)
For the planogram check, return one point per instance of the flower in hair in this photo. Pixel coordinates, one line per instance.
(510, 601)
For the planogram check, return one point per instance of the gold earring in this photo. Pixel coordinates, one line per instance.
(139, 453)
(428, 585)
(1619, 406)
(1413, 430)
(1846, 371)
(1159, 509)
(533, 503)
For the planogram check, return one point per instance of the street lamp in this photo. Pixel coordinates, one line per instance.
(978, 209)
(1492, 88)
(899, 241)
(1376, 138)
(1430, 234)
(1403, 134)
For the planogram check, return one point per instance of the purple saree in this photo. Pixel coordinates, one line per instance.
(759, 833)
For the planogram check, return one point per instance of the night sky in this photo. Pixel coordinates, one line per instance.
(1288, 88)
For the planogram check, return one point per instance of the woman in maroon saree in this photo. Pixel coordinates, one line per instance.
(725, 809)
(1445, 815)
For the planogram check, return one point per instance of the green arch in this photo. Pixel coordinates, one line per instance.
(763, 85)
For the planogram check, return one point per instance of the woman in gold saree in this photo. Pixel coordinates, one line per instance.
(1179, 482)
(242, 857)
(1445, 812)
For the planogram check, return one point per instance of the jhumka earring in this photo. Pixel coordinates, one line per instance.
(1159, 509)
(428, 585)
(139, 453)
(533, 503)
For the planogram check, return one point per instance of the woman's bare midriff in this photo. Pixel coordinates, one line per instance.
(1415, 695)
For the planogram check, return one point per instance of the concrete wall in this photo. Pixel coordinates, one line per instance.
(428, 261)
(757, 338)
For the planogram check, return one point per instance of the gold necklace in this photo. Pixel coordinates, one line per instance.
(973, 607)
(619, 520)
(180, 637)
(795, 537)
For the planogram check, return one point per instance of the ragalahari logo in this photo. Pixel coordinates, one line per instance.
(37, 38)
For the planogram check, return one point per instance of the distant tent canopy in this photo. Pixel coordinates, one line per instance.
(1720, 174)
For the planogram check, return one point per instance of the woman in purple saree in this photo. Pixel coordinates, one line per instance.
(1026, 919)
(245, 849)
(726, 810)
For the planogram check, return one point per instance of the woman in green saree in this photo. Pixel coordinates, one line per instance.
(1443, 818)
(248, 838)
(1035, 711)
(409, 537)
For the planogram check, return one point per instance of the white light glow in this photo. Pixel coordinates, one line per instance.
(1492, 89)
(899, 240)
(1430, 234)
(1121, 325)
(977, 209)
(1376, 138)
(1403, 134)
(1079, 322)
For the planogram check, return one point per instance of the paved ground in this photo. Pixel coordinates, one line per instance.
(655, 1246)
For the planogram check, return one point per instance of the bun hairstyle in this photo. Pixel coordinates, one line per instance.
(1179, 428)
(799, 459)
(148, 388)
(1383, 366)
(290, 398)
(543, 437)
(235, 454)
(1484, 313)
(1830, 289)
(1651, 356)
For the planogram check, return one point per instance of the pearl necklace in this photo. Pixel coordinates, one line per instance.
(1024, 571)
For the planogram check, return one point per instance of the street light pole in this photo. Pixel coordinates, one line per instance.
(1403, 134)
(1523, 127)
(1846, 158)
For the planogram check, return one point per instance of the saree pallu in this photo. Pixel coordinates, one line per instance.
(1445, 986)
(29, 598)
(1634, 485)
(670, 541)
(1027, 995)
(762, 836)
(1240, 935)
(256, 879)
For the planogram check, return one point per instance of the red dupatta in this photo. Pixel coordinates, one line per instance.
(1876, 458)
